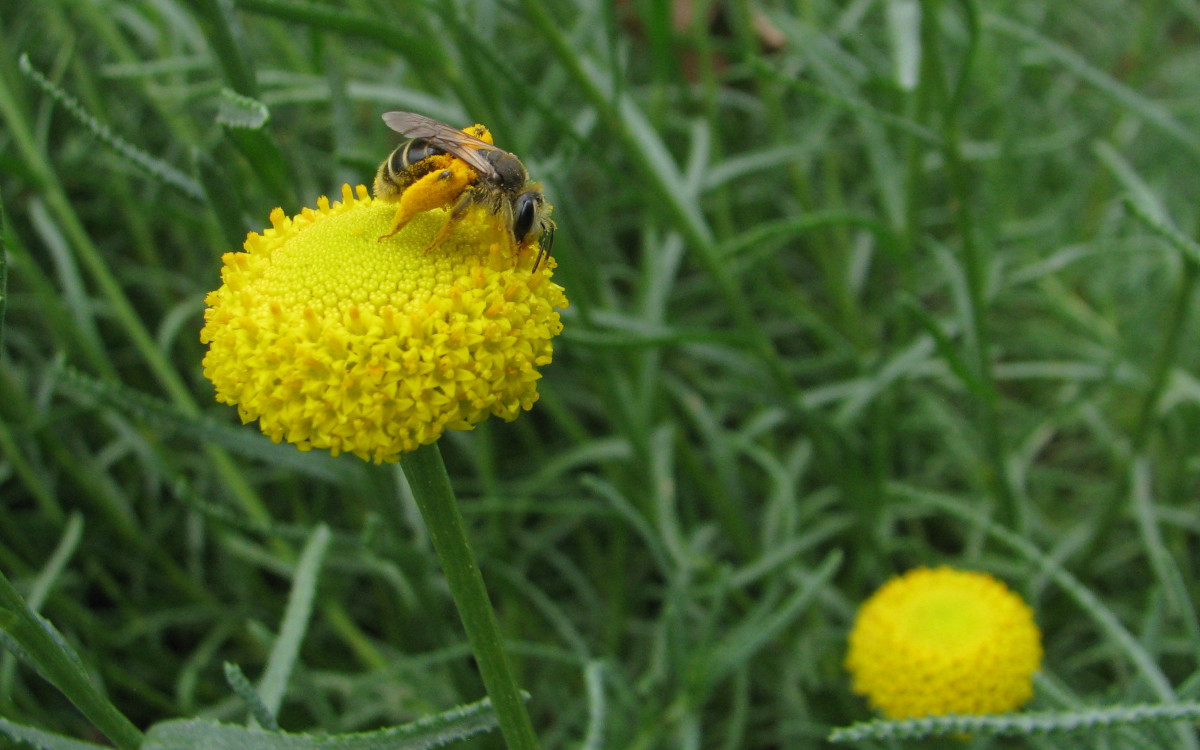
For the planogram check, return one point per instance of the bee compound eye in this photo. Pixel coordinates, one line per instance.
(526, 208)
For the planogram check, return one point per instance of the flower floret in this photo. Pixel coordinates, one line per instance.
(332, 338)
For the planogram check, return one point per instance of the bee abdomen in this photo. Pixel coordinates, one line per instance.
(410, 162)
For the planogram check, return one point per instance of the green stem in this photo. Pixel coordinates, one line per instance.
(431, 487)
(62, 668)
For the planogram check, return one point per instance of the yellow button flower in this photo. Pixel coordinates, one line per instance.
(943, 641)
(334, 339)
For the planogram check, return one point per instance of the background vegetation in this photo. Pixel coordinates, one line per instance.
(855, 287)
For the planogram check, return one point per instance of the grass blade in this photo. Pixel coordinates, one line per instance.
(295, 620)
(40, 590)
(253, 701)
(149, 165)
(1145, 205)
(424, 734)
(206, 431)
(757, 630)
(43, 740)
(228, 42)
(245, 121)
(1018, 724)
(1150, 111)
(59, 664)
(3, 271)
(1165, 569)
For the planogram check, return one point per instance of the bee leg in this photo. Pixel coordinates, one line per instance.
(435, 190)
(545, 243)
(401, 218)
(465, 201)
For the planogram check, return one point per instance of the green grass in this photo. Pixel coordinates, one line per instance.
(825, 326)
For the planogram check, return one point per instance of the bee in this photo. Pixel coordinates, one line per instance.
(445, 167)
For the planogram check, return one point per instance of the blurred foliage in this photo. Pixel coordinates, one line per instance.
(847, 280)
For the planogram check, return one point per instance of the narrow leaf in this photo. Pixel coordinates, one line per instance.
(205, 431)
(223, 198)
(45, 647)
(295, 620)
(150, 165)
(3, 271)
(1020, 724)
(904, 29)
(1172, 579)
(38, 592)
(757, 630)
(254, 702)
(43, 740)
(1144, 203)
(236, 110)
(1148, 110)
(424, 734)
(347, 22)
(593, 678)
(224, 33)
(245, 121)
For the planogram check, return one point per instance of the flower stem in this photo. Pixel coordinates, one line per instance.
(431, 487)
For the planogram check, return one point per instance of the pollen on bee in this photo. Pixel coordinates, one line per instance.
(494, 254)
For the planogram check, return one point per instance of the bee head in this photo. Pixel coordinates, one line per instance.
(529, 217)
(525, 212)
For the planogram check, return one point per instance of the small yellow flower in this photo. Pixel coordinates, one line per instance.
(944, 641)
(334, 339)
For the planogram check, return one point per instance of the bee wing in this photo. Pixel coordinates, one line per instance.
(450, 139)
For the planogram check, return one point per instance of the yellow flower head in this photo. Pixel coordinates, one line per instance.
(332, 338)
(944, 641)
